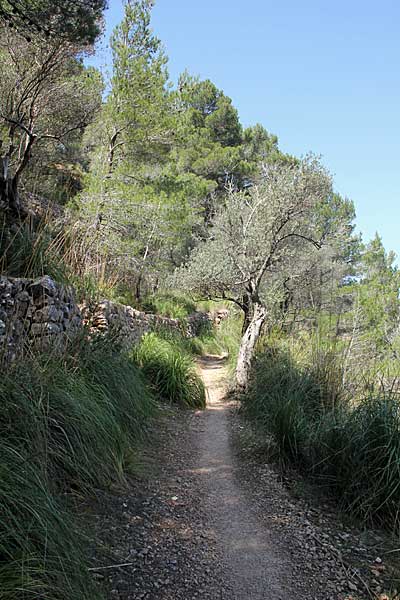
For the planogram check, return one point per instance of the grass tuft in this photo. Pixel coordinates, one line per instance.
(350, 448)
(172, 305)
(68, 424)
(168, 364)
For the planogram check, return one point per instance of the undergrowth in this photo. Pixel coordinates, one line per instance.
(350, 446)
(166, 359)
(169, 304)
(222, 340)
(31, 251)
(68, 425)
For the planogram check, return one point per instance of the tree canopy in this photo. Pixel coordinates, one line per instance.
(260, 238)
(78, 21)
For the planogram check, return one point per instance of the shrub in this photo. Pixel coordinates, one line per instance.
(172, 305)
(171, 369)
(223, 340)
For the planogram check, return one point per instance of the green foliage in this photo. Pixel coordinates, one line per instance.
(356, 454)
(161, 158)
(75, 20)
(136, 106)
(41, 549)
(173, 305)
(284, 398)
(259, 145)
(47, 98)
(171, 370)
(378, 296)
(208, 109)
(160, 162)
(66, 422)
(350, 448)
(209, 144)
(252, 232)
(31, 252)
(223, 340)
(140, 206)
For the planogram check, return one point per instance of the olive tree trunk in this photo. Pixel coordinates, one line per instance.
(248, 344)
(8, 187)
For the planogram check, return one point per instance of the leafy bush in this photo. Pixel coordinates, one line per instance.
(66, 423)
(225, 339)
(170, 368)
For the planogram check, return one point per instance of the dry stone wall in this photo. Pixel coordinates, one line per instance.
(130, 324)
(35, 311)
(41, 312)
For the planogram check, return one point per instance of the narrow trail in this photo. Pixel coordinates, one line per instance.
(210, 519)
(247, 548)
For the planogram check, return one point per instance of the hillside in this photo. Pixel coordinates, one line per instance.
(199, 355)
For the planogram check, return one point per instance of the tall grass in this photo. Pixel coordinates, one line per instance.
(41, 550)
(32, 251)
(166, 361)
(62, 251)
(67, 424)
(349, 446)
(169, 304)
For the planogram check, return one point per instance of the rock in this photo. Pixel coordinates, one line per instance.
(23, 296)
(43, 286)
(43, 300)
(48, 313)
(352, 586)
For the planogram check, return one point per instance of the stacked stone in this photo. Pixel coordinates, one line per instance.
(125, 322)
(130, 325)
(34, 311)
(44, 313)
(198, 321)
(219, 316)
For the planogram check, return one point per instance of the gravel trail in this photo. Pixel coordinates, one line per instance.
(210, 519)
(255, 567)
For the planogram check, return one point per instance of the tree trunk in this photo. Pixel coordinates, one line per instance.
(9, 197)
(247, 307)
(138, 288)
(248, 344)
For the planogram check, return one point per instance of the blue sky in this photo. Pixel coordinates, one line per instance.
(323, 76)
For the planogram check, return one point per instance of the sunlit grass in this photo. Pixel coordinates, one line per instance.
(170, 368)
(349, 446)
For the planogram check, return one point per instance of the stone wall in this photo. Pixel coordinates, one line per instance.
(35, 311)
(130, 324)
(41, 312)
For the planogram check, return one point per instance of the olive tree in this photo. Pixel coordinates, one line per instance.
(255, 237)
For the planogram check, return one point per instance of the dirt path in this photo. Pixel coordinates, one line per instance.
(254, 566)
(208, 519)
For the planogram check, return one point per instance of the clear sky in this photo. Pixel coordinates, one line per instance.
(324, 76)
